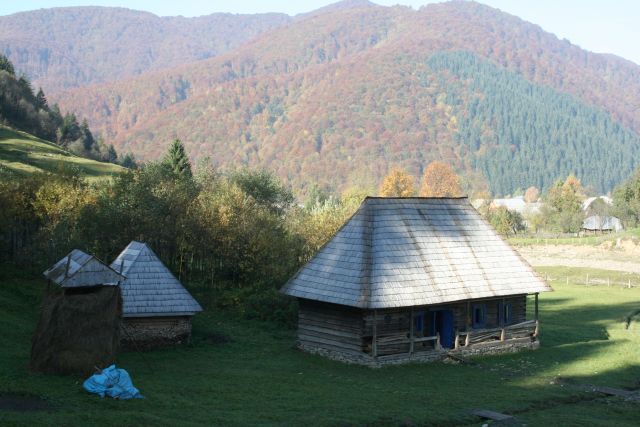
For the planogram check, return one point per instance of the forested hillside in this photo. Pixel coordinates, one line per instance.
(23, 109)
(356, 90)
(70, 47)
(520, 134)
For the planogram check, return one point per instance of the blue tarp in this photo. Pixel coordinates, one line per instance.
(112, 382)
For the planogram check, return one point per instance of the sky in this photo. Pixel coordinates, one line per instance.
(605, 26)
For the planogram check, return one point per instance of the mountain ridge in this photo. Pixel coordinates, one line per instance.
(247, 106)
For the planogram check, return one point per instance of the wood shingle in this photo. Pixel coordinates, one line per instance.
(398, 252)
(150, 289)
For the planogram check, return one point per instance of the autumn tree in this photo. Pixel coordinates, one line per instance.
(397, 183)
(563, 209)
(505, 221)
(440, 180)
(626, 200)
(531, 195)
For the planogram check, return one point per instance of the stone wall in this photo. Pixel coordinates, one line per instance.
(146, 333)
(494, 347)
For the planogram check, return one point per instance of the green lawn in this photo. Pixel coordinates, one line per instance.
(259, 378)
(25, 154)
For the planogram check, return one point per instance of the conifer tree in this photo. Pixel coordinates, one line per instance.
(41, 100)
(6, 65)
(177, 160)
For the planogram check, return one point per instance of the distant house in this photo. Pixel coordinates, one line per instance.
(157, 309)
(601, 224)
(415, 279)
(587, 202)
(517, 204)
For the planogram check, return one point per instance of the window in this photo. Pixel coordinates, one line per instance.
(507, 311)
(418, 322)
(479, 315)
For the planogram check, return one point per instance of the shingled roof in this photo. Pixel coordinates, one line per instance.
(400, 252)
(150, 289)
(79, 269)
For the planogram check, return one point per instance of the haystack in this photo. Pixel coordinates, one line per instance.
(79, 326)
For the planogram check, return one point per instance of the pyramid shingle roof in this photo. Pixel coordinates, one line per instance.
(400, 252)
(79, 269)
(150, 289)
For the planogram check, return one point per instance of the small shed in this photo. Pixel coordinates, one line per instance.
(601, 224)
(157, 309)
(415, 279)
(79, 328)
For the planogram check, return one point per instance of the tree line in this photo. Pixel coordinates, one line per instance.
(234, 237)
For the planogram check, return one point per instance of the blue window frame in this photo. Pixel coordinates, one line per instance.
(479, 315)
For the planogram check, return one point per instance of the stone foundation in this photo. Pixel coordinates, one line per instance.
(147, 333)
(479, 349)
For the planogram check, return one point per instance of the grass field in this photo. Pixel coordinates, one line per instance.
(259, 378)
(25, 154)
(591, 240)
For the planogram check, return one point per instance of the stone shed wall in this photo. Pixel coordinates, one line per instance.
(144, 333)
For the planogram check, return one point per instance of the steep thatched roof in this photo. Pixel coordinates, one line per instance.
(81, 269)
(399, 252)
(150, 289)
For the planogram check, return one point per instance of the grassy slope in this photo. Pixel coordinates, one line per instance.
(260, 379)
(25, 154)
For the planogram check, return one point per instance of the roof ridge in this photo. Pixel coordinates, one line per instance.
(367, 259)
(135, 258)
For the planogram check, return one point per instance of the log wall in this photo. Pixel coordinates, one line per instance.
(329, 326)
(337, 331)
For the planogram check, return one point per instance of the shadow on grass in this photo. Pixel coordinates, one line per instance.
(259, 378)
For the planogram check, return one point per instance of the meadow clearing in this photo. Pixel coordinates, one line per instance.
(242, 372)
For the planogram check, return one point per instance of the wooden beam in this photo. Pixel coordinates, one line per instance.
(536, 306)
(411, 333)
(468, 319)
(374, 339)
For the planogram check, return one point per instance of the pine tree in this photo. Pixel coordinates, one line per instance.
(6, 65)
(177, 160)
(41, 100)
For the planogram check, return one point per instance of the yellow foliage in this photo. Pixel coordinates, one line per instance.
(398, 183)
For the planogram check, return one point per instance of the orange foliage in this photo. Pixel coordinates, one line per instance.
(440, 180)
(531, 195)
(398, 183)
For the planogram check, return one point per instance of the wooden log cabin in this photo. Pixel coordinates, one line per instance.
(415, 279)
(157, 309)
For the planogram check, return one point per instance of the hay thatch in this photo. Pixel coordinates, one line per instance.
(77, 331)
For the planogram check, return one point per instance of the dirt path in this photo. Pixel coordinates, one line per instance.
(623, 257)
